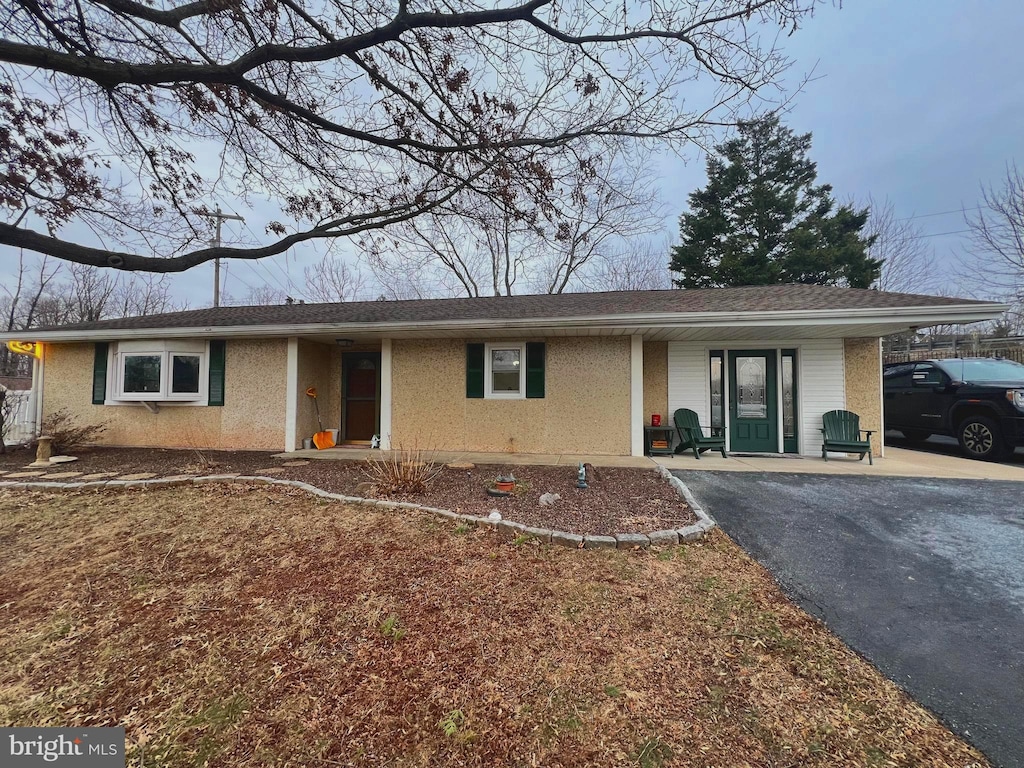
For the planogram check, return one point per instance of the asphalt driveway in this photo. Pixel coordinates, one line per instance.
(923, 577)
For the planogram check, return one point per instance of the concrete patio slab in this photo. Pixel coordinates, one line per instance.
(898, 462)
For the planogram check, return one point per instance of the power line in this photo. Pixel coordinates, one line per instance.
(939, 213)
(264, 279)
(940, 234)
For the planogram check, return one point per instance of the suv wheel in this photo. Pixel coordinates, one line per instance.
(980, 438)
(915, 435)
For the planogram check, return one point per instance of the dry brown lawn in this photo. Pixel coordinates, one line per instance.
(236, 626)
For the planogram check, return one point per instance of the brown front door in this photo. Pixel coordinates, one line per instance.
(360, 389)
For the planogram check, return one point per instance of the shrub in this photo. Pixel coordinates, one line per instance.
(68, 434)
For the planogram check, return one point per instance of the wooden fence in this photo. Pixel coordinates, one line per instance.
(901, 351)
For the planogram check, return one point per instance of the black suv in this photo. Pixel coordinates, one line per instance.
(979, 401)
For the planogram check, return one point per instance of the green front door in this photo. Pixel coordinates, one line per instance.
(753, 401)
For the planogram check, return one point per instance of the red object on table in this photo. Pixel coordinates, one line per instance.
(655, 420)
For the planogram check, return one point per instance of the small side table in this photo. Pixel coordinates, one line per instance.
(658, 433)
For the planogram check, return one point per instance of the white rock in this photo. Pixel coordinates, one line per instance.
(495, 515)
(549, 499)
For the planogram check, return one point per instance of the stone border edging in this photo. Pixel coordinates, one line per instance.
(506, 528)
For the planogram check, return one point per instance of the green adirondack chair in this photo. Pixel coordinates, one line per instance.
(691, 434)
(842, 434)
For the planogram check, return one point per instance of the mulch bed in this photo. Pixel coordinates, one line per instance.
(619, 499)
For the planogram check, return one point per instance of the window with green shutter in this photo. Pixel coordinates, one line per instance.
(505, 370)
(99, 373)
(474, 370)
(217, 355)
(535, 368)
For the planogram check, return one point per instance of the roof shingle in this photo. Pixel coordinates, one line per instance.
(726, 300)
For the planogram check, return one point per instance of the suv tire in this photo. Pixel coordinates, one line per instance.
(915, 435)
(980, 438)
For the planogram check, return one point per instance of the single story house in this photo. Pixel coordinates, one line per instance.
(569, 373)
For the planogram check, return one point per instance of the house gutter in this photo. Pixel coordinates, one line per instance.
(909, 316)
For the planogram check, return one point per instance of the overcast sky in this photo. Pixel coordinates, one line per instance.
(919, 101)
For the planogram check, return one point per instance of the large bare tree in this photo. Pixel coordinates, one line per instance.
(908, 261)
(475, 245)
(124, 121)
(997, 238)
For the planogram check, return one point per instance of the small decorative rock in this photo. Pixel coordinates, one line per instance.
(461, 465)
(296, 463)
(549, 499)
(494, 515)
(364, 488)
(138, 476)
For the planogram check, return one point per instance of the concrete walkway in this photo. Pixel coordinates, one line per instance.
(898, 462)
(537, 459)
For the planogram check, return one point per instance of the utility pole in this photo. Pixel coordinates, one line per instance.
(219, 217)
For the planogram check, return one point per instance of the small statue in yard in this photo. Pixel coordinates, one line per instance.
(375, 441)
(581, 477)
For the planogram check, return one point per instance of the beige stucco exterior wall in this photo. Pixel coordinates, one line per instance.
(320, 367)
(656, 381)
(585, 408)
(252, 415)
(863, 385)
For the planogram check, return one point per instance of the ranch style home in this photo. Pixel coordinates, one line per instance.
(578, 373)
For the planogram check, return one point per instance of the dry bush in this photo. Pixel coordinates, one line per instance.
(198, 440)
(403, 470)
(68, 434)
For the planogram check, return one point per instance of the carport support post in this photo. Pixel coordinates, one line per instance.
(636, 395)
(881, 400)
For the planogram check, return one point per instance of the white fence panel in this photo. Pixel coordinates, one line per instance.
(23, 417)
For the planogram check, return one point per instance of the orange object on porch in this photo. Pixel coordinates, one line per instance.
(321, 439)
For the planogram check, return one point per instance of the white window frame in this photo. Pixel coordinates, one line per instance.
(489, 392)
(166, 351)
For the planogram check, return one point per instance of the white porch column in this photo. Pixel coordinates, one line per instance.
(636, 395)
(291, 395)
(385, 394)
(36, 398)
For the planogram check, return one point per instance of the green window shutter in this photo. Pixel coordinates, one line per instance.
(474, 370)
(216, 391)
(535, 369)
(99, 373)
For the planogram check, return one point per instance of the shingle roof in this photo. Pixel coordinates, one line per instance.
(727, 300)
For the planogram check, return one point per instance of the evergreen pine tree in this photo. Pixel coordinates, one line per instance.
(761, 219)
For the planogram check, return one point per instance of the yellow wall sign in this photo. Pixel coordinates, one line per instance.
(24, 348)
